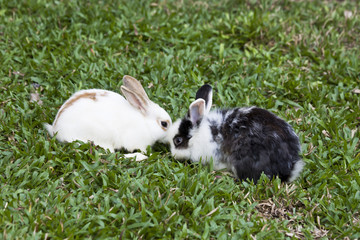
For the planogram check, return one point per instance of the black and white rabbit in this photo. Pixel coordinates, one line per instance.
(247, 141)
(111, 121)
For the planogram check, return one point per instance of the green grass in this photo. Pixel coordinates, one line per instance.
(299, 59)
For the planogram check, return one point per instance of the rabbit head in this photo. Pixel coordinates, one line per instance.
(187, 136)
(157, 119)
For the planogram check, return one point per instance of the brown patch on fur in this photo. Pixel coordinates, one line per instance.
(72, 100)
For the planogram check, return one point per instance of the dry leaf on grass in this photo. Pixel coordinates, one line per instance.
(356, 90)
(348, 14)
(326, 133)
(35, 97)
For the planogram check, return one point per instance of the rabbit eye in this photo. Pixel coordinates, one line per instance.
(164, 124)
(177, 141)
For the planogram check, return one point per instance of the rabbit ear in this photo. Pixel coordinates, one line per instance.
(135, 86)
(197, 111)
(205, 92)
(136, 100)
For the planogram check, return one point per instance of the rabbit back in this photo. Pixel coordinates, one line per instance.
(254, 140)
(102, 117)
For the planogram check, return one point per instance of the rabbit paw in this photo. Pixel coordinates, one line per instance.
(138, 156)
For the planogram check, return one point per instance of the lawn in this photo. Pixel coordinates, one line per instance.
(299, 59)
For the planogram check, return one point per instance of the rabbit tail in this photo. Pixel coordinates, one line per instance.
(49, 128)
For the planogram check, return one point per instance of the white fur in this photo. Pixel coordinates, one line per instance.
(201, 146)
(246, 110)
(299, 165)
(138, 156)
(215, 117)
(108, 120)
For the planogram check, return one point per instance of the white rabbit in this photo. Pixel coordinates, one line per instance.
(247, 141)
(111, 121)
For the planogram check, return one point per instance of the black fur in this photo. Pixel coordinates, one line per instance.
(203, 92)
(184, 130)
(257, 141)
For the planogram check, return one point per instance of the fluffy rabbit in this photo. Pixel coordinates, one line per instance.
(246, 141)
(111, 121)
